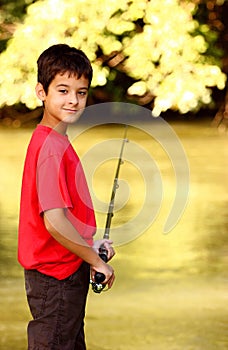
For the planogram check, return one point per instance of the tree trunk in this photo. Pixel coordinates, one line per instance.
(221, 118)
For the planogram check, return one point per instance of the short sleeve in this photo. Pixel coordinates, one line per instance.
(52, 184)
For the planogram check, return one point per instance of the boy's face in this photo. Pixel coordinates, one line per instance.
(65, 100)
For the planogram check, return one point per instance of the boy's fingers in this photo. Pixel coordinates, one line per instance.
(111, 252)
(111, 281)
(107, 243)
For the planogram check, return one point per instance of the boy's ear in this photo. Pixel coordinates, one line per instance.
(40, 91)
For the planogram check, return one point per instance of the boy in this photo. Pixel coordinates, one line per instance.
(57, 221)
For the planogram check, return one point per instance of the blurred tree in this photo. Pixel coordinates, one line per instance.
(11, 12)
(156, 52)
(214, 14)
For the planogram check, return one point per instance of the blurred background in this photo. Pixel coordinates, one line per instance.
(169, 57)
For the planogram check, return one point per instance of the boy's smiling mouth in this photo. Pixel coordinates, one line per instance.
(70, 110)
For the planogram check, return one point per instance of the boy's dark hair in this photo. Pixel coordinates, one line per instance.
(59, 59)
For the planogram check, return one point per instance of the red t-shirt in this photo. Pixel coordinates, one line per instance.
(53, 178)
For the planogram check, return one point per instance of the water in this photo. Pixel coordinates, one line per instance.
(170, 291)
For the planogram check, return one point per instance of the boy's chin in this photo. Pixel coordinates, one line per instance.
(71, 119)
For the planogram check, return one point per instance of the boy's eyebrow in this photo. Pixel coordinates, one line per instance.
(65, 85)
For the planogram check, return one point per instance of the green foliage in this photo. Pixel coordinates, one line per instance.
(11, 11)
(210, 29)
(14, 10)
(156, 49)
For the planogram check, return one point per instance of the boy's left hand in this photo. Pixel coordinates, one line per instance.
(107, 245)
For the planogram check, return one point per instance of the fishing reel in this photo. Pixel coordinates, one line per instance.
(99, 277)
(97, 287)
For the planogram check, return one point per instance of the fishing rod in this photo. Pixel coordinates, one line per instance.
(99, 277)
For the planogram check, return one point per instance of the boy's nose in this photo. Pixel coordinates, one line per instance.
(73, 99)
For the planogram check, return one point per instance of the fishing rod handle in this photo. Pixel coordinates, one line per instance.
(103, 254)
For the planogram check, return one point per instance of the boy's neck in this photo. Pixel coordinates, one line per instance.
(61, 127)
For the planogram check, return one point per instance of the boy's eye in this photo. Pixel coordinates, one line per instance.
(63, 91)
(82, 93)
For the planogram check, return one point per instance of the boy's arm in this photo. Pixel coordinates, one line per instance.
(64, 232)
